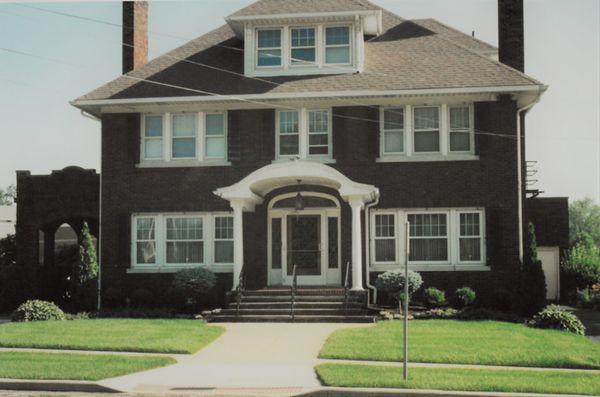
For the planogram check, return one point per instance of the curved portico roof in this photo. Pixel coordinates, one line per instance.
(251, 190)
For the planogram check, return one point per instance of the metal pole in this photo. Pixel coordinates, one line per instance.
(406, 298)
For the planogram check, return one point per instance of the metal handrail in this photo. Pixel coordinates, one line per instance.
(240, 291)
(346, 287)
(294, 289)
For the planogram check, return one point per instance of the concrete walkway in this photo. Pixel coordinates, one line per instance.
(246, 356)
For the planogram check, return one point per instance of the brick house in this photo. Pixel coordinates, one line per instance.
(305, 134)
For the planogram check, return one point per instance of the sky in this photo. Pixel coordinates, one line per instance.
(40, 131)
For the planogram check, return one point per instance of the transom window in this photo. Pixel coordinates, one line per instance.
(200, 137)
(303, 46)
(304, 133)
(427, 129)
(393, 130)
(268, 47)
(337, 45)
(460, 129)
(385, 238)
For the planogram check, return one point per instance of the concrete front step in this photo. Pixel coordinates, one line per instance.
(299, 305)
(297, 319)
(297, 311)
(300, 291)
(299, 298)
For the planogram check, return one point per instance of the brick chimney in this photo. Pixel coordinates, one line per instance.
(511, 42)
(135, 34)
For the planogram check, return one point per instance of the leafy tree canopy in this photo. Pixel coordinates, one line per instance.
(584, 218)
(8, 195)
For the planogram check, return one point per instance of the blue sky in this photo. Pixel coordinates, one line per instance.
(40, 131)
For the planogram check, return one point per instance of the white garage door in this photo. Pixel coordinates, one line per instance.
(550, 257)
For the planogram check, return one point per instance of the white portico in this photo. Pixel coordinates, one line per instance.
(251, 190)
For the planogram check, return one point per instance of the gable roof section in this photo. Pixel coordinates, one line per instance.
(409, 55)
(274, 7)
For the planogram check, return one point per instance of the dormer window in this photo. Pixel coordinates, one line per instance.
(303, 46)
(268, 47)
(337, 45)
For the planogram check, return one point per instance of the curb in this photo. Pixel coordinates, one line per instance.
(369, 392)
(54, 386)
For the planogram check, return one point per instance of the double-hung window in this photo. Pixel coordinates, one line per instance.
(268, 47)
(337, 45)
(393, 130)
(385, 238)
(184, 136)
(289, 133)
(303, 46)
(145, 240)
(215, 136)
(318, 132)
(185, 240)
(428, 237)
(426, 121)
(460, 129)
(470, 237)
(223, 239)
(153, 138)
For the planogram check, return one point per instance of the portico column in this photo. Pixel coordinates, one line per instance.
(238, 240)
(356, 204)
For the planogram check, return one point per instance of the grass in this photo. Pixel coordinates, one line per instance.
(74, 366)
(132, 335)
(458, 379)
(465, 342)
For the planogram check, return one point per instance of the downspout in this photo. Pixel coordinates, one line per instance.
(367, 252)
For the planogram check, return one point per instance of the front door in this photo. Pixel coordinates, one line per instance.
(304, 245)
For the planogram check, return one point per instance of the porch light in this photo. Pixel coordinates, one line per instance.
(299, 200)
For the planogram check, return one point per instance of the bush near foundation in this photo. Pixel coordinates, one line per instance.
(554, 317)
(37, 310)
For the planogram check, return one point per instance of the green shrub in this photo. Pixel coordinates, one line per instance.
(581, 267)
(436, 313)
(434, 298)
(37, 310)
(588, 298)
(194, 284)
(463, 297)
(392, 283)
(556, 318)
(531, 287)
(142, 297)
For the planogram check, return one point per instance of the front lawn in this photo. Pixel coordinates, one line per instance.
(135, 335)
(481, 380)
(465, 342)
(74, 366)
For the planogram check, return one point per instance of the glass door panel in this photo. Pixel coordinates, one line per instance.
(304, 244)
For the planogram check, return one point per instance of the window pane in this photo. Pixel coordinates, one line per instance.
(393, 141)
(303, 55)
(429, 249)
(269, 57)
(224, 227)
(459, 118)
(470, 249)
(269, 38)
(317, 139)
(184, 147)
(288, 144)
(215, 124)
(153, 148)
(145, 228)
(215, 147)
(427, 141)
(384, 225)
(469, 224)
(288, 122)
(337, 55)
(385, 250)
(224, 251)
(426, 118)
(393, 119)
(318, 121)
(276, 243)
(460, 141)
(303, 37)
(184, 229)
(318, 150)
(184, 125)
(146, 252)
(153, 126)
(427, 225)
(185, 252)
(337, 35)
(332, 226)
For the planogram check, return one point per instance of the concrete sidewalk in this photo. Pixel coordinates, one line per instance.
(247, 356)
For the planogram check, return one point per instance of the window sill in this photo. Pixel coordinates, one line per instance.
(175, 268)
(433, 268)
(426, 157)
(182, 163)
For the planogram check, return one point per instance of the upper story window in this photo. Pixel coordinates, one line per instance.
(337, 45)
(427, 133)
(268, 47)
(175, 139)
(303, 46)
(303, 133)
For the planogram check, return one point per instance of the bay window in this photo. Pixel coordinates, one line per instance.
(385, 238)
(303, 46)
(337, 45)
(303, 133)
(269, 47)
(426, 129)
(152, 142)
(460, 128)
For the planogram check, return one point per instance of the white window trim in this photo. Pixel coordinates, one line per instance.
(280, 48)
(375, 238)
(481, 235)
(144, 138)
(453, 235)
(206, 137)
(383, 130)
(166, 240)
(215, 239)
(200, 160)
(173, 137)
(350, 44)
(470, 130)
(303, 136)
(447, 237)
(439, 130)
(315, 47)
(161, 265)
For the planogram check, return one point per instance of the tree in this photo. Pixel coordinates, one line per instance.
(532, 283)
(87, 265)
(8, 196)
(584, 217)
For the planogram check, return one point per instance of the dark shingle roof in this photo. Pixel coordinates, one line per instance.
(272, 7)
(420, 54)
